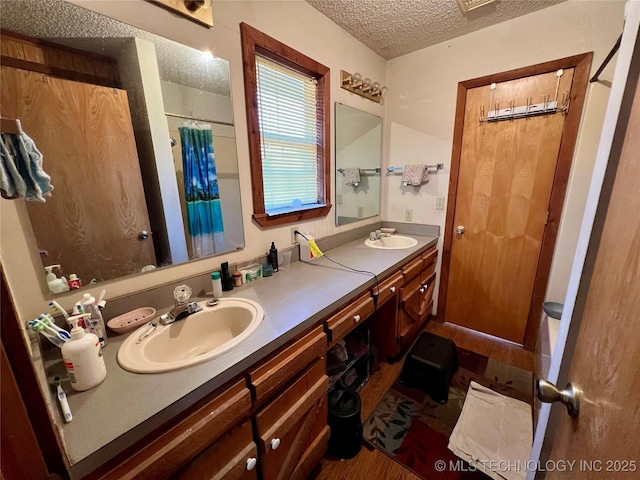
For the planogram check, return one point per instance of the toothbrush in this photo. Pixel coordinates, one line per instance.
(37, 326)
(61, 334)
(55, 306)
(62, 398)
(50, 322)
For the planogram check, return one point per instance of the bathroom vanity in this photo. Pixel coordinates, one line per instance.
(262, 405)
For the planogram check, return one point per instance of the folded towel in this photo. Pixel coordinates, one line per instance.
(415, 175)
(21, 172)
(493, 430)
(351, 176)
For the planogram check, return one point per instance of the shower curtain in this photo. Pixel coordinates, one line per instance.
(204, 214)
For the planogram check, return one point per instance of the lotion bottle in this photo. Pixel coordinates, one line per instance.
(82, 357)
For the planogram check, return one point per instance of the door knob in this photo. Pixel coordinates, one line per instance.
(547, 392)
(460, 229)
(143, 235)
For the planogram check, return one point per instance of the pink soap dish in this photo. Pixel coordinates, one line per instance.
(388, 230)
(131, 320)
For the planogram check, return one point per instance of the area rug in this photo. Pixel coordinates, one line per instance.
(414, 430)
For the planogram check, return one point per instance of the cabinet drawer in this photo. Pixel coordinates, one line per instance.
(428, 274)
(166, 454)
(348, 318)
(273, 374)
(292, 429)
(389, 288)
(430, 256)
(233, 457)
(412, 269)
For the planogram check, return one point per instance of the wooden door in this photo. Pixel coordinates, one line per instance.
(508, 182)
(603, 440)
(91, 222)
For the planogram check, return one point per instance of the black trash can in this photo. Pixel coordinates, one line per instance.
(345, 423)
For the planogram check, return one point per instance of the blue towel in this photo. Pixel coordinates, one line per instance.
(21, 172)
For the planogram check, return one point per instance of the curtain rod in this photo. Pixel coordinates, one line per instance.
(606, 60)
(197, 119)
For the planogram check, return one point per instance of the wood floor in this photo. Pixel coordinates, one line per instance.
(371, 464)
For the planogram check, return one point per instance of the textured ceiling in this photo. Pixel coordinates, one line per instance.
(74, 26)
(396, 27)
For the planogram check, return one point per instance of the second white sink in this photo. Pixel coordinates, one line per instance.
(201, 336)
(394, 242)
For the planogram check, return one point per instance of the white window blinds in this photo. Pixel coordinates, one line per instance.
(289, 130)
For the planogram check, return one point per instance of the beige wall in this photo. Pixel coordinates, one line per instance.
(421, 104)
(294, 23)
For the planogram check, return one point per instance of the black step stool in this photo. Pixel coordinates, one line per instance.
(430, 366)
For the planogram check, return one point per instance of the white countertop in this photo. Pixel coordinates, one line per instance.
(126, 406)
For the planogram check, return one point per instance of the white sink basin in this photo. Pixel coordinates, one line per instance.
(197, 338)
(394, 242)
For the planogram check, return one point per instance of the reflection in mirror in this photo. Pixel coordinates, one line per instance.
(136, 132)
(358, 164)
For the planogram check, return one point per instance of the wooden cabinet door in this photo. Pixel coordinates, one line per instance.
(85, 135)
(293, 428)
(167, 453)
(233, 457)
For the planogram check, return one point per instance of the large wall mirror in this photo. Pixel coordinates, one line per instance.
(358, 164)
(136, 132)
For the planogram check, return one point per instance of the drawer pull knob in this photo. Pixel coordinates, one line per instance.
(422, 289)
(356, 318)
(393, 289)
(275, 443)
(251, 463)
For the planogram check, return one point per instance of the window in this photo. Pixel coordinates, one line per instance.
(287, 98)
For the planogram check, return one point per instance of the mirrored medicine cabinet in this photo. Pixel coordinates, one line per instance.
(358, 144)
(137, 134)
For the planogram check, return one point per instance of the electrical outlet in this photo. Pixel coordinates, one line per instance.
(408, 215)
(360, 212)
(339, 199)
(439, 203)
(294, 240)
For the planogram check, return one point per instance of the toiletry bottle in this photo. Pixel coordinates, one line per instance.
(273, 257)
(96, 323)
(74, 281)
(56, 285)
(83, 358)
(216, 283)
(236, 277)
(227, 284)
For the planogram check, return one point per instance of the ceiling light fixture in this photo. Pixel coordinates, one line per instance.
(363, 87)
(466, 5)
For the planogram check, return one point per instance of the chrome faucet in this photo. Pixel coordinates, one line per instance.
(183, 307)
(377, 235)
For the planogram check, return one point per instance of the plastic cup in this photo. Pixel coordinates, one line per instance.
(284, 259)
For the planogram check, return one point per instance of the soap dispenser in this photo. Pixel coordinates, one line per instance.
(82, 357)
(56, 285)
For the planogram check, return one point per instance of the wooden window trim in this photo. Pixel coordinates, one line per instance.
(255, 42)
